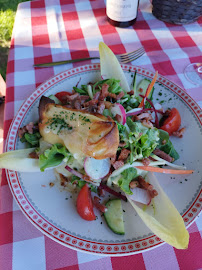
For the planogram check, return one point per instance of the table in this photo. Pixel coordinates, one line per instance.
(54, 30)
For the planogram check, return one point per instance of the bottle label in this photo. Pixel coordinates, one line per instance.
(122, 10)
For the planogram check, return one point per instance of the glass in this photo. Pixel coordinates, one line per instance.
(193, 73)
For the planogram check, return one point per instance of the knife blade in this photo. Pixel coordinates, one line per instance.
(51, 64)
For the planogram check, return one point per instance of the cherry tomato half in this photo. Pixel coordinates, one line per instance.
(172, 122)
(84, 204)
(61, 95)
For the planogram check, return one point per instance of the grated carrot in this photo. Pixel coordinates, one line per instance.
(162, 170)
(149, 89)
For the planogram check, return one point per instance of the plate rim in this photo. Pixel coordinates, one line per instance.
(40, 90)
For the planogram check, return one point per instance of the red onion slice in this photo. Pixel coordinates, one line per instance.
(117, 108)
(113, 192)
(74, 172)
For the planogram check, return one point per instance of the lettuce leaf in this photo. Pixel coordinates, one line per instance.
(165, 221)
(82, 90)
(114, 86)
(166, 145)
(126, 177)
(53, 156)
(142, 140)
(80, 183)
(31, 139)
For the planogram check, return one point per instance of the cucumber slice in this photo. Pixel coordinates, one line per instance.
(114, 216)
(54, 98)
(142, 88)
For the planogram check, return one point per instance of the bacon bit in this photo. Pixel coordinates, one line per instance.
(133, 118)
(51, 184)
(122, 144)
(112, 159)
(98, 205)
(163, 155)
(147, 123)
(72, 97)
(118, 118)
(33, 155)
(83, 97)
(96, 105)
(145, 115)
(112, 95)
(117, 164)
(30, 127)
(153, 193)
(63, 180)
(77, 104)
(86, 178)
(131, 92)
(179, 133)
(120, 95)
(109, 118)
(101, 107)
(143, 183)
(134, 184)
(91, 109)
(90, 103)
(101, 192)
(140, 90)
(96, 96)
(104, 91)
(146, 161)
(21, 132)
(124, 154)
(151, 103)
(107, 104)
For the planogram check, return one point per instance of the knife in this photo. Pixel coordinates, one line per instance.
(44, 65)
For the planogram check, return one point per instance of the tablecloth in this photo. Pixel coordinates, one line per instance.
(53, 30)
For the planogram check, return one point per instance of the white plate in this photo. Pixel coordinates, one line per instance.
(53, 211)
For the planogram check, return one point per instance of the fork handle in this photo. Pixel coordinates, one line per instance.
(65, 62)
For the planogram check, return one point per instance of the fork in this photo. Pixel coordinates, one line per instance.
(122, 58)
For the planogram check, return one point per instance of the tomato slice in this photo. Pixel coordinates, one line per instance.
(84, 204)
(61, 95)
(172, 122)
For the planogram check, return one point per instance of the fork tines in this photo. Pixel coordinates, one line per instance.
(131, 56)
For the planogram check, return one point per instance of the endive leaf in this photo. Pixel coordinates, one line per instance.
(110, 67)
(162, 217)
(19, 160)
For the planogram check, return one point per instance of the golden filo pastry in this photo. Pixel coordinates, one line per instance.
(83, 134)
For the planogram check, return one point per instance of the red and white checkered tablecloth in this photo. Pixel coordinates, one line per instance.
(53, 30)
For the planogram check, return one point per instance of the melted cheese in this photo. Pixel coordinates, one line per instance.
(83, 134)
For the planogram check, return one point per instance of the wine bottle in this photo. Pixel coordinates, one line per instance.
(122, 13)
